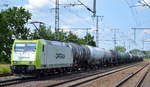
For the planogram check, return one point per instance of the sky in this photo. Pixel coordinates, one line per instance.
(119, 15)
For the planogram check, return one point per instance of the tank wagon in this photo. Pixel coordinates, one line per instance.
(44, 56)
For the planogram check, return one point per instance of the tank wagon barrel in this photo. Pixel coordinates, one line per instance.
(96, 55)
(79, 52)
(116, 57)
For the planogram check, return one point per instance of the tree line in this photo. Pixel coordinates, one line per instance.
(13, 25)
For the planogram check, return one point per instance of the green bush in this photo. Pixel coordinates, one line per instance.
(4, 69)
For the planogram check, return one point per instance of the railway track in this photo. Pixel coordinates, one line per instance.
(142, 79)
(145, 80)
(143, 74)
(6, 74)
(10, 82)
(82, 80)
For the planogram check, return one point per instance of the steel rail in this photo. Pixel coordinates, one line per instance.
(130, 76)
(142, 78)
(6, 74)
(27, 79)
(14, 81)
(103, 74)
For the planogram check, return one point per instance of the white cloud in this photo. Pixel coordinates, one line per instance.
(80, 33)
(33, 4)
(129, 33)
(147, 40)
(147, 31)
(40, 10)
(75, 19)
(66, 28)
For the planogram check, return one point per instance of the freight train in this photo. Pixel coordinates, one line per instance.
(36, 57)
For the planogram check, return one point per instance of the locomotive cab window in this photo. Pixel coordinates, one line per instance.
(22, 47)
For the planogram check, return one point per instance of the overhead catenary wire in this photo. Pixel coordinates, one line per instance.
(132, 12)
(80, 16)
(75, 13)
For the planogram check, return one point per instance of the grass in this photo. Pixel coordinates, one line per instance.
(4, 68)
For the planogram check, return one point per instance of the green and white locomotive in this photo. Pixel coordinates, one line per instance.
(30, 56)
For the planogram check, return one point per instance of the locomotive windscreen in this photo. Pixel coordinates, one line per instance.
(23, 47)
(24, 52)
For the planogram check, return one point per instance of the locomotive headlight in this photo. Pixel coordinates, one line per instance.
(31, 62)
(31, 67)
(14, 62)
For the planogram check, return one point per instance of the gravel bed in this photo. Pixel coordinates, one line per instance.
(50, 81)
(134, 80)
(7, 78)
(113, 79)
(54, 80)
(146, 82)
